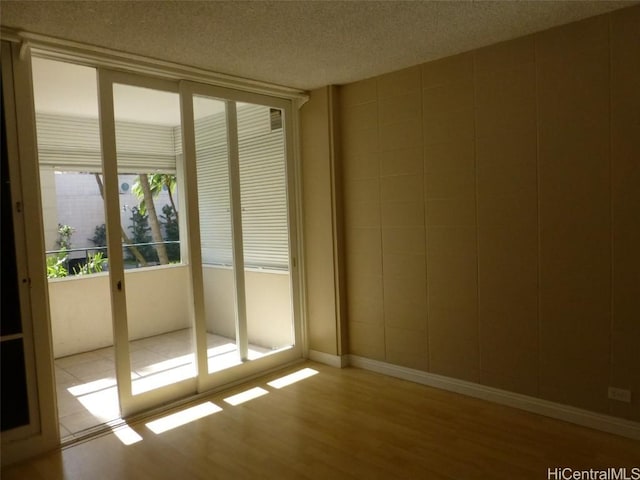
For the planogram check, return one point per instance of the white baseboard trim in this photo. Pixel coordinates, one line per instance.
(585, 418)
(337, 361)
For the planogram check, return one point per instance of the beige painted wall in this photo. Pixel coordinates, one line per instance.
(322, 317)
(492, 214)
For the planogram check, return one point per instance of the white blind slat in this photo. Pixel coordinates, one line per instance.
(262, 189)
(73, 143)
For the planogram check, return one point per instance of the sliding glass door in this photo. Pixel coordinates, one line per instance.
(214, 196)
(77, 261)
(265, 233)
(200, 264)
(150, 288)
(168, 217)
(241, 260)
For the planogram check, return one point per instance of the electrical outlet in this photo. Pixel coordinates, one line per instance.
(620, 394)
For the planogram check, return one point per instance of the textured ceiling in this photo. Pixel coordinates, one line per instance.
(302, 44)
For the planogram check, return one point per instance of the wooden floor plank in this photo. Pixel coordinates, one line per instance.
(343, 423)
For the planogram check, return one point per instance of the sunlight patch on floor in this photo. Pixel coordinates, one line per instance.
(162, 378)
(166, 365)
(103, 405)
(293, 378)
(245, 396)
(127, 435)
(100, 398)
(188, 415)
(227, 355)
(92, 387)
(221, 349)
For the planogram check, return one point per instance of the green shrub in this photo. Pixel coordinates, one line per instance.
(95, 264)
(171, 232)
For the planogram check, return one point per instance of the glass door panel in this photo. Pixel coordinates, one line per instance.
(149, 156)
(265, 232)
(240, 154)
(73, 214)
(216, 232)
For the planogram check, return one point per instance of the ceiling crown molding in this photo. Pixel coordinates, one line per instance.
(67, 50)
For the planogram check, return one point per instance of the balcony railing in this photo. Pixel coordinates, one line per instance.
(74, 261)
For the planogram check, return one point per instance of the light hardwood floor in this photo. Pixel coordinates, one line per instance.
(347, 423)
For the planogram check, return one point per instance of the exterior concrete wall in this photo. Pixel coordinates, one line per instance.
(73, 198)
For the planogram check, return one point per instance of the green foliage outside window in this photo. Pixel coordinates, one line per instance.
(171, 232)
(58, 263)
(140, 234)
